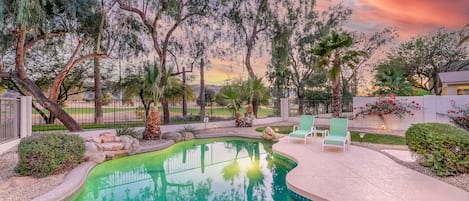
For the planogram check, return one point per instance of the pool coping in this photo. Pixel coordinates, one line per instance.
(77, 176)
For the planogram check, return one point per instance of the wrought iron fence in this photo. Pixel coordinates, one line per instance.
(9, 119)
(321, 108)
(119, 113)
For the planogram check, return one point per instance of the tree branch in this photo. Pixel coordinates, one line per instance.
(43, 36)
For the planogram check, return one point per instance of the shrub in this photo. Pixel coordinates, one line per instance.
(187, 128)
(460, 115)
(442, 147)
(48, 154)
(388, 105)
(128, 131)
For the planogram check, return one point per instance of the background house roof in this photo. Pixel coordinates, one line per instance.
(454, 77)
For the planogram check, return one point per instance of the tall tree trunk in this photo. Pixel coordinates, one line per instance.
(202, 90)
(247, 59)
(98, 93)
(301, 99)
(165, 105)
(184, 93)
(21, 77)
(54, 109)
(336, 97)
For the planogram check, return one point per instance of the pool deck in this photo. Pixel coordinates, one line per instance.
(359, 174)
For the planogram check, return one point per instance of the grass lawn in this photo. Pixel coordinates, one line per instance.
(369, 137)
(175, 110)
(37, 128)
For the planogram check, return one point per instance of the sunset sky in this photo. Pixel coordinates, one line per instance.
(408, 17)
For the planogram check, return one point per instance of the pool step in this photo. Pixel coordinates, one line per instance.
(112, 146)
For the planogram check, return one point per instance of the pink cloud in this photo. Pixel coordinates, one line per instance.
(412, 17)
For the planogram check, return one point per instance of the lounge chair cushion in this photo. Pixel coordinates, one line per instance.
(335, 140)
(299, 133)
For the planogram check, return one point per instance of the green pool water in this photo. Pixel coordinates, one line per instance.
(221, 169)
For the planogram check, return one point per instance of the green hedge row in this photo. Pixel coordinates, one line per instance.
(48, 154)
(444, 148)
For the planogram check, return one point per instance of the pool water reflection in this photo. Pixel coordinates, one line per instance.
(219, 169)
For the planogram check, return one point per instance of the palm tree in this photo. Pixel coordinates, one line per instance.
(232, 94)
(255, 90)
(391, 80)
(153, 79)
(333, 54)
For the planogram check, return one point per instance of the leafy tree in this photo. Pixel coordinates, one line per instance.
(162, 18)
(426, 56)
(333, 55)
(32, 25)
(301, 30)
(251, 20)
(175, 94)
(390, 79)
(209, 96)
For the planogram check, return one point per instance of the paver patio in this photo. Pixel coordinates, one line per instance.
(359, 174)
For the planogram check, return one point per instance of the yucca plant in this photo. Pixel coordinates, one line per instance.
(153, 79)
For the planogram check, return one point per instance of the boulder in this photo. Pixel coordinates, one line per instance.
(113, 146)
(176, 137)
(131, 144)
(107, 137)
(269, 134)
(93, 139)
(187, 135)
(97, 157)
(91, 146)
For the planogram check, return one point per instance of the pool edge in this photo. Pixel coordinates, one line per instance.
(295, 192)
(75, 179)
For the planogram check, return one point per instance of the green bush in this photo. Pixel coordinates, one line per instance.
(129, 131)
(444, 148)
(48, 154)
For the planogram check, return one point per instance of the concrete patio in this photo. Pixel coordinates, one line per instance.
(359, 174)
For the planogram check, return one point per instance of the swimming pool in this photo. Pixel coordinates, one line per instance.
(220, 169)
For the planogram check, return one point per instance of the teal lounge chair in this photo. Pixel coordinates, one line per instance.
(338, 134)
(305, 128)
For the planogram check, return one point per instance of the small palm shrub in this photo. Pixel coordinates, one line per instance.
(128, 131)
(187, 128)
(442, 147)
(48, 154)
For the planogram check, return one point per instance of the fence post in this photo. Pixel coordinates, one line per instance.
(284, 108)
(25, 116)
(429, 108)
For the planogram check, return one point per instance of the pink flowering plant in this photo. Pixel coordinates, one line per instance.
(386, 105)
(460, 115)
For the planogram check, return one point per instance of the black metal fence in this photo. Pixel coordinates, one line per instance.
(119, 113)
(9, 119)
(321, 108)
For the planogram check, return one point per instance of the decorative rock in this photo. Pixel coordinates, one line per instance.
(269, 134)
(131, 144)
(99, 146)
(97, 157)
(93, 139)
(187, 135)
(176, 137)
(112, 146)
(117, 139)
(107, 137)
(91, 147)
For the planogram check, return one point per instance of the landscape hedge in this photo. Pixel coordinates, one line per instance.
(48, 154)
(443, 148)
